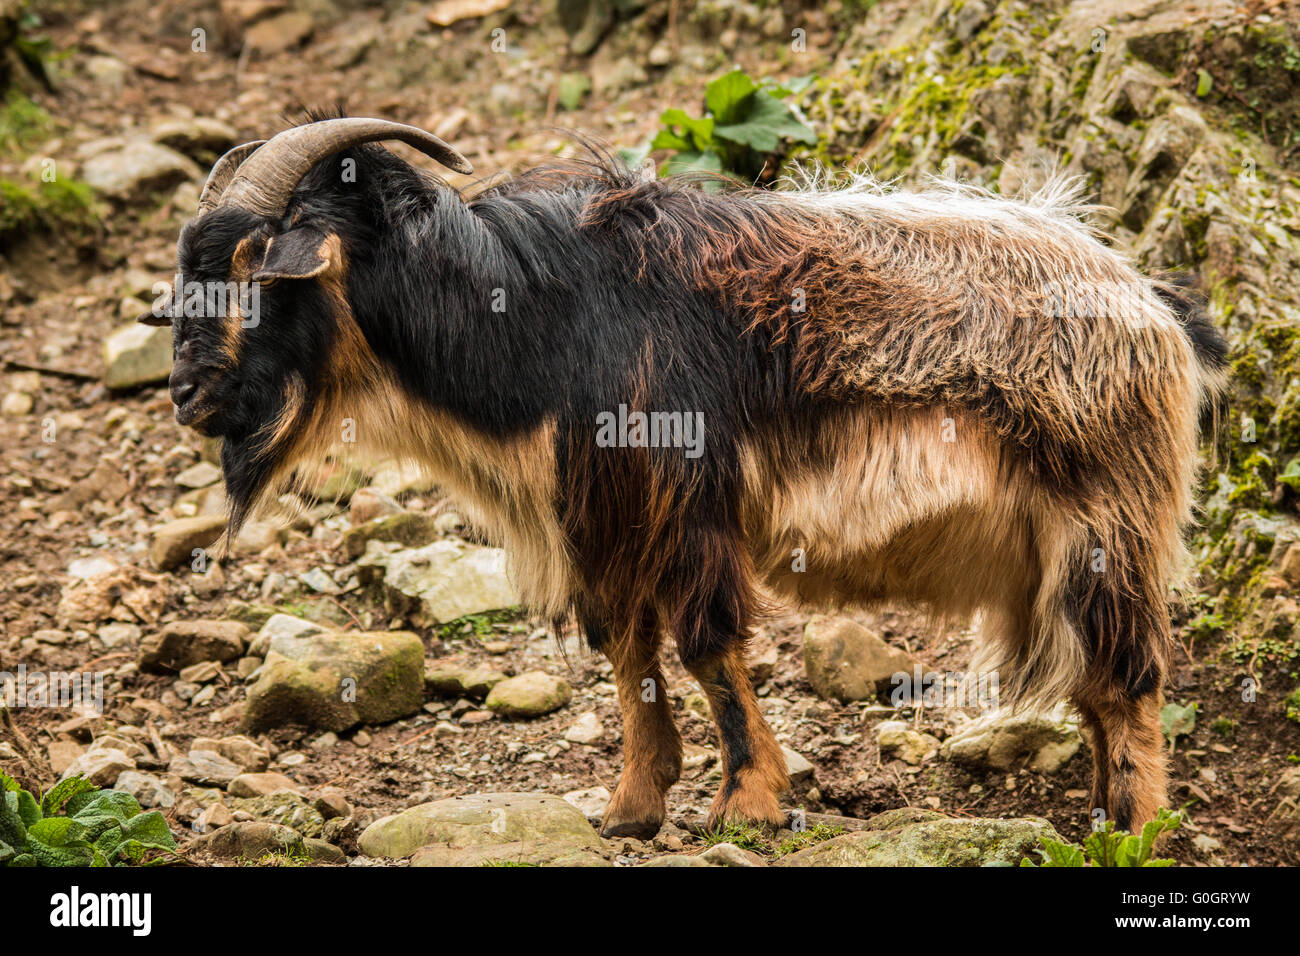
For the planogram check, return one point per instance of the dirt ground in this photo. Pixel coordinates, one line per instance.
(109, 477)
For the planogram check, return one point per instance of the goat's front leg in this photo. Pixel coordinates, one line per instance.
(652, 748)
(753, 768)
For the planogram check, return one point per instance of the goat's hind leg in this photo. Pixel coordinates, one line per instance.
(652, 748)
(753, 768)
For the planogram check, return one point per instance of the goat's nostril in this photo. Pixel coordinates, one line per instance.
(182, 390)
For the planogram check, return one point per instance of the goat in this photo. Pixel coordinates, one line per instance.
(891, 381)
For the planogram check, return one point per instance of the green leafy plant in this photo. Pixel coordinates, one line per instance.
(745, 123)
(77, 824)
(1107, 846)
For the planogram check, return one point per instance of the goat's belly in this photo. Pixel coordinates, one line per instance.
(914, 506)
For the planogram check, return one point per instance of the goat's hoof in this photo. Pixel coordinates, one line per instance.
(613, 826)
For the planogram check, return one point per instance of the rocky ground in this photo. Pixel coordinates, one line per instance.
(476, 735)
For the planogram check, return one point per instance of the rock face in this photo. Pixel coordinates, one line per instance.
(137, 355)
(529, 695)
(1002, 741)
(185, 643)
(335, 681)
(442, 581)
(846, 662)
(911, 837)
(466, 830)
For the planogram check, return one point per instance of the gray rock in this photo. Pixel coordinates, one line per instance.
(477, 820)
(281, 624)
(201, 138)
(846, 662)
(149, 790)
(204, 767)
(1003, 741)
(137, 355)
(175, 542)
(910, 746)
(199, 475)
(136, 169)
(529, 695)
(184, 643)
(472, 682)
(332, 681)
(911, 837)
(442, 581)
(593, 802)
(259, 784)
(797, 766)
(587, 729)
(251, 840)
(728, 854)
(101, 767)
(519, 853)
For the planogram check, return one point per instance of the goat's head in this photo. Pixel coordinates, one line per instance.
(261, 291)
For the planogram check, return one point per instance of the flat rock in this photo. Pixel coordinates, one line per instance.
(136, 169)
(473, 682)
(149, 790)
(1005, 741)
(333, 681)
(101, 767)
(259, 784)
(520, 853)
(846, 662)
(281, 625)
(250, 840)
(529, 695)
(911, 837)
(182, 644)
(442, 581)
(478, 820)
(175, 542)
(910, 746)
(205, 767)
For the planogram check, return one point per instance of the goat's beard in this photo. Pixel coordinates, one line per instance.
(248, 476)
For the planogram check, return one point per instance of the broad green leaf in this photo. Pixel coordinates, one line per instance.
(727, 96)
(682, 131)
(23, 859)
(13, 830)
(56, 831)
(7, 782)
(150, 829)
(767, 123)
(1056, 853)
(689, 160)
(28, 808)
(1291, 476)
(1204, 83)
(62, 792)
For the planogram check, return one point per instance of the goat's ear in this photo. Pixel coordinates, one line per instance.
(155, 318)
(298, 254)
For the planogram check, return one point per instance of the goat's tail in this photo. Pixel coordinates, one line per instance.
(1182, 294)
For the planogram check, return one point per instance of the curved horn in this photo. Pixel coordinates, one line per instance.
(223, 171)
(266, 180)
